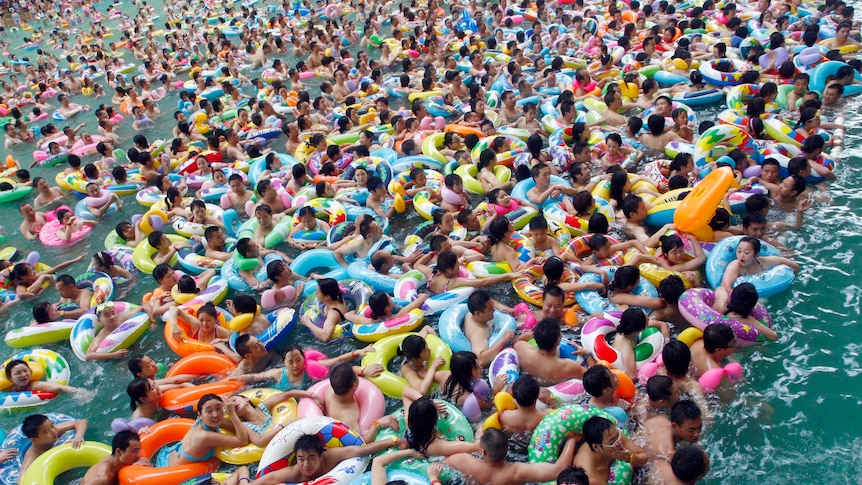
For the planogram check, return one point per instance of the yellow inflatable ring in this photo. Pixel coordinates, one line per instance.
(251, 453)
(51, 464)
(386, 348)
(145, 225)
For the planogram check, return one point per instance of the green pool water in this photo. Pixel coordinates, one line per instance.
(789, 421)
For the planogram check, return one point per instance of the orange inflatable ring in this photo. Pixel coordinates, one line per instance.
(463, 130)
(186, 345)
(161, 434)
(698, 207)
(185, 399)
(203, 363)
(629, 16)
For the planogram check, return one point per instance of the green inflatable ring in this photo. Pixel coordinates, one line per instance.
(548, 438)
(455, 427)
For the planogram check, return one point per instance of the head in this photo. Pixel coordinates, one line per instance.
(661, 391)
(309, 449)
(600, 382)
(40, 430)
(342, 379)
(686, 422)
(525, 391)
(602, 436)
(547, 334)
(719, 340)
(677, 358)
(143, 366)
(690, 464)
(143, 390)
(495, 445)
(126, 446)
(422, 423)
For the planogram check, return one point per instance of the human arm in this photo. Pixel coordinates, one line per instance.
(423, 385)
(378, 466)
(543, 472)
(325, 333)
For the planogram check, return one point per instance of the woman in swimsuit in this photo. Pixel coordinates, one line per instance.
(205, 328)
(334, 309)
(258, 419)
(200, 442)
(446, 275)
(421, 375)
(747, 263)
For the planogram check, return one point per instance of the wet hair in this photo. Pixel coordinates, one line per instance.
(309, 443)
(342, 378)
(378, 303)
(688, 463)
(598, 224)
(633, 320)
(137, 390)
(684, 410)
(411, 347)
(659, 387)
(596, 242)
(720, 220)
(421, 424)
(496, 445)
(670, 242)
(40, 312)
(12, 364)
(671, 288)
(31, 424)
(594, 430)
(677, 357)
(329, 287)
(461, 365)
(756, 203)
(546, 333)
(743, 300)
(123, 439)
(630, 205)
(753, 241)
(525, 390)
(497, 230)
(625, 277)
(205, 399)
(575, 475)
(596, 379)
(477, 301)
(717, 337)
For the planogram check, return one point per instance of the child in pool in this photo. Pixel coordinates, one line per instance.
(418, 183)
(632, 322)
(742, 302)
(619, 291)
(501, 203)
(69, 224)
(199, 215)
(219, 180)
(378, 197)
(43, 435)
(446, 275)
(672, 257)
(501, 231)
(453, 196)
(380, 308)
(422, 435)
(205, 328)
(144, 395)
(308, 221)
(487, 177)
(246, 305)
(747, 263)
(465, 379)
(544, 245)
(295, 373)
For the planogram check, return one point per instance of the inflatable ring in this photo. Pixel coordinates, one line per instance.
(143, 253)
(160, 435)
(548, 438)
(768, 283)
(88, 326)
(372, 404)
(468, 174)
(592, 302)
(729, 135)
(329, 210)
(385, 349)
(185, 345)
(279, 453)
(695, 305)
(283, 412)
(356, 294)
(9, 471)
(48, 466)
(451, 328)
(526, 287)
(580, 248)
(44, 365)
(720, 78)
(650, 342)
(386, 328)
(452, 424)
(147, 222)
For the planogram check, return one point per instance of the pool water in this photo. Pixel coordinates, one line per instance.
(789, 421)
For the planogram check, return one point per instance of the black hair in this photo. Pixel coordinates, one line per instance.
(596, 379)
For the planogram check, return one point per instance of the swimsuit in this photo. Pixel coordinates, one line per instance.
(284, 383)
(260, 428)
(163, 458)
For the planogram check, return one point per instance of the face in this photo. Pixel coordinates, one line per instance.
(263, 218)
(93, 191)
(65, 291)
(553, 306)
(47, 434)
(109, 317)
(208, 322)
(149, 368)
(830, 96)
(219, 178)
(199, 212)
(676, 255)
(544, 177)
(131, 454)
(604, 252)
(786, 189)
(612, 442)
(689, 430)
(745, 253)
(309, 462)
(212, 412)
(662, 106)
(237, 186)
(21, 375)
(757, 230)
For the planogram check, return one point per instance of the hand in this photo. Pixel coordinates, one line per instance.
(317, 400)
(372, 370)
(500, 383)
(401, 444)
(508, 335)
(365, 350)
(803, 205)
(434, 470)
(437, 363)
(389, 421)
(8, 454)
(121, 353)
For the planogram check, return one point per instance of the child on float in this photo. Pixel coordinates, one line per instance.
(246, 305)
(453, 196)
(200, 442)
(69, 224)
(501, 230)
(258, 419)
(620, 294)
(110, 321)
(204, 327)
(334, 309)
(381, 307)
(160, 299)
(421, 375)
(632, 322)
(467, 251)
(308, 221)
(812, 149)
(165, 249)
(602, 249)
(621, 184)
(635, 211)
(199, 215)
(418, 183)
(446, 275)
(378, 197)
(297, 370)
(544, 244)
(672, 256)
(747, 263)
(465, 379)
(616, 154)
(315, 460)
(553, 269)
(43, 435)
(421, 433)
